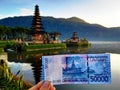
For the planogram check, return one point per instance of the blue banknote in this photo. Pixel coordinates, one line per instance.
(99, 71)
(77, 69)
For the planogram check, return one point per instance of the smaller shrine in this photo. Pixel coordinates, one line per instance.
(55, 36)
(73, 39)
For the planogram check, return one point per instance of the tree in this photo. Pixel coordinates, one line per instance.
(7, 34)
(13, 33)
(20, 32)
(1, 32)
(4, 31)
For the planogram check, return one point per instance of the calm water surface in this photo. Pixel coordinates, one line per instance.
(30, 65)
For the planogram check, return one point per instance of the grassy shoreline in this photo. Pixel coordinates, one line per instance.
(37, 47)
(45, 47)
(31, 47)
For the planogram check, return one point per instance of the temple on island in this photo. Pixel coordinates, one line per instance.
(73, 39)
(37, 33)
(76, 41)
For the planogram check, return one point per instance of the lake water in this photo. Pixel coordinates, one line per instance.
(30, 65)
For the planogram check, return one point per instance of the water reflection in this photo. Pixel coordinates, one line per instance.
(30, 74)
(18, 61)
(30, 64)
(36, 64)
(81, 50)
(25, 69)
(34, 59)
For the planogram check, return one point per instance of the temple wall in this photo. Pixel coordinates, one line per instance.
(38, 42)
(56, 41)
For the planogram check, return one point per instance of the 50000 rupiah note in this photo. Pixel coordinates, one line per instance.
(77, 69)
(99, 69)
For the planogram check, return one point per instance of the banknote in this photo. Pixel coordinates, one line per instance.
(52, 68)
(76, 69)
(99, 69)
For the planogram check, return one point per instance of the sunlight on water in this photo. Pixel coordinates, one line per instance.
(105, 42)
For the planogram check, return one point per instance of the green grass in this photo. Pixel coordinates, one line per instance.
(32, 47)
(1, 50)
(45, 46)
(4, 43)
(8, 81)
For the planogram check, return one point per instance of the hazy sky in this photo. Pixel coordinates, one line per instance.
(104, 12)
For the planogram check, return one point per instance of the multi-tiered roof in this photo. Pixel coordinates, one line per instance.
(37, 27)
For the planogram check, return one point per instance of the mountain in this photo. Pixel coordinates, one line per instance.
(66, 26)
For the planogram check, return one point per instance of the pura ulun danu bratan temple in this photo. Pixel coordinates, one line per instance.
(37, 33)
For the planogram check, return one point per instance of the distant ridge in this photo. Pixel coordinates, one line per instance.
(66, 26)
(75, 19)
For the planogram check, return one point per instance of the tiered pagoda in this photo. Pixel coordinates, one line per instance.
(37, 31)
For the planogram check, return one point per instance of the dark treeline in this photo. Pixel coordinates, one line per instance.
(8, 33)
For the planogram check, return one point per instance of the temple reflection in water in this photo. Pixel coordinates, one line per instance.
(34, 59)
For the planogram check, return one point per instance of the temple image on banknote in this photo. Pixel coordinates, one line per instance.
(74, 71)
(71, 68)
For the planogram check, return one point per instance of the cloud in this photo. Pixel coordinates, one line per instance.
(25, 12)
(1, 16)
(20, 12)
(5, 16)
(104, 12)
